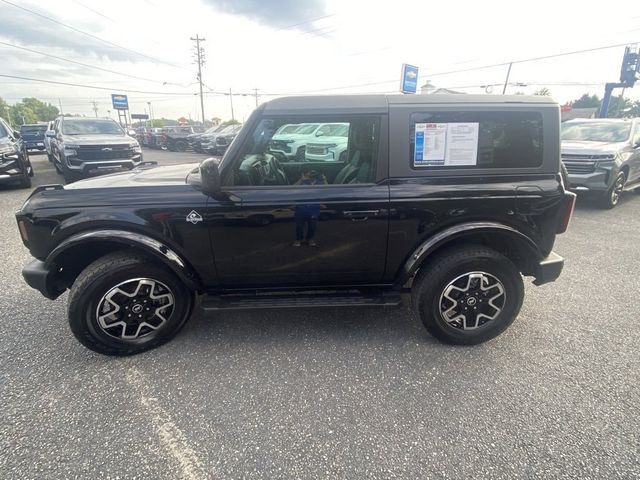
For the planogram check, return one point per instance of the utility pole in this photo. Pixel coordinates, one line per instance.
(150, 113)
(256, 90)
(231, 100)
(60, 103)
(506, 80)
(200, 60)
(95, 108)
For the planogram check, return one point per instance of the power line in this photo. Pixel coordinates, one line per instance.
(306, 21)
(90, 35)
(463, 70)
(95, 87)
(79, 63)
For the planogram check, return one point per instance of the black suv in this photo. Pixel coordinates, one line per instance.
(15, 166)
(449, 198)
(81, 145)
(33, 136)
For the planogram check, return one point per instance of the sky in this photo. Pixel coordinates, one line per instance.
(142, 48)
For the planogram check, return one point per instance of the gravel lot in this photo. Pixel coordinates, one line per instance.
(335, 394)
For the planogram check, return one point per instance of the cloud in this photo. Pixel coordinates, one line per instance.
(31, 30)
(274, 13)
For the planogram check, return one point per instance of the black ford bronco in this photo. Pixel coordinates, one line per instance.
(449, 198)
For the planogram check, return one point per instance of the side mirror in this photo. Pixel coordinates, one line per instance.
(210, 178)
(319, 134)
(131, 132)
(637, 144)
(17, 134)
(50, 133)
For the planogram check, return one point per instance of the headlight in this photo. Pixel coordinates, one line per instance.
(7, 150)
(135, 147)
(604, 160)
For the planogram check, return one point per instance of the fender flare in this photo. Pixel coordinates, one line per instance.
(420, 254)
(153, 247)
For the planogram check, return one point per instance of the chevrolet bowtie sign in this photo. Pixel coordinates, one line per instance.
(119, 102)
(409, 79)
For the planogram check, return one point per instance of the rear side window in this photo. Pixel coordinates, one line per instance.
(476, 139)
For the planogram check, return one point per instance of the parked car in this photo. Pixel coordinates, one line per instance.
(176, 138)
(153, 138)
(329, 145)
(602, 156)
(33, 136)
(291, 145)
(217, 142)
(47, 142)
(83, 145)
(456, 222)
(195, 139)
(15, 166)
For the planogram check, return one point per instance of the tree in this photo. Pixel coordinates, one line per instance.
(586, 101)
(29, 110)
(231, 122)
(4, 109)
(544, 91)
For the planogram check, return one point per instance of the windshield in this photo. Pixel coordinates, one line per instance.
(307, 128)
(97, 127)
(288, 128)
(3, 131)
(32, 128)
(596, 131)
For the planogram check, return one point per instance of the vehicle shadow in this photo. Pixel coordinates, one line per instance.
(334, 326)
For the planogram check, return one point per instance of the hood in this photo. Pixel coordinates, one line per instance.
(170, 175)
(99, 139)
(580, 147)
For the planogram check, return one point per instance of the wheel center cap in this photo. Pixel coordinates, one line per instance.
(137, 308)
(471, 301)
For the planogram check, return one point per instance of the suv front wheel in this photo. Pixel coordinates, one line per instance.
(611, 197)
(468, 295)
(124, 303)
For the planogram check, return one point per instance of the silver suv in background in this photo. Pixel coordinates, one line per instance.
(81, 146)
(602, 156)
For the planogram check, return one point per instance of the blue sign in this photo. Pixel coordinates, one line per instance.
(119, 102)
(409, 79)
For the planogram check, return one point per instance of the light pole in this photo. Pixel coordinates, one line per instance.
(150, 113)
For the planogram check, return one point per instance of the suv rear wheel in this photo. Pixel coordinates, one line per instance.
(468, 295)
(124, 303)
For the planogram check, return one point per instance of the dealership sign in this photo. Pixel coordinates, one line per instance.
(119, 102)
(409, 79)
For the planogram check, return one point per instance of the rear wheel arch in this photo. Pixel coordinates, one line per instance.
(511, 243)
(73, 255)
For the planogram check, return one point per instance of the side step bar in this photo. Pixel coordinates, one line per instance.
(213, 303)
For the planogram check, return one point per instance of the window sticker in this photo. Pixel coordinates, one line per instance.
(446, 144)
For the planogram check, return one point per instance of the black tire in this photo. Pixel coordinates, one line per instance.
(611, 197)
(433, 281)
(565, 176)
(25, 181)
(70, 176)
(103, 275)
(181, 146)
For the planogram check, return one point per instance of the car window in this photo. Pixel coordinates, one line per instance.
(4, 129)
(475, 139)
(338, 153)
(636, 137)
(33, 128)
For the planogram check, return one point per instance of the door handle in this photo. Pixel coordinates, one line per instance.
(360, 215)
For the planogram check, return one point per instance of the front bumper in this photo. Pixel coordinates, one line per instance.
(549, 269)
(86, 166)
(10, 171)
(42, 278)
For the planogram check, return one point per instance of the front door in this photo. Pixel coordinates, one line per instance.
(307, 220)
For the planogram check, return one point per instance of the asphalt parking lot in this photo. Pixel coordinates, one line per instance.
(335, 393)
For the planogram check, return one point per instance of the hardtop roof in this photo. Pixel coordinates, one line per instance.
(383, 101)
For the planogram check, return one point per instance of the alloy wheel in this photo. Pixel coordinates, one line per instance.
(472, 300)
(135, 308)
